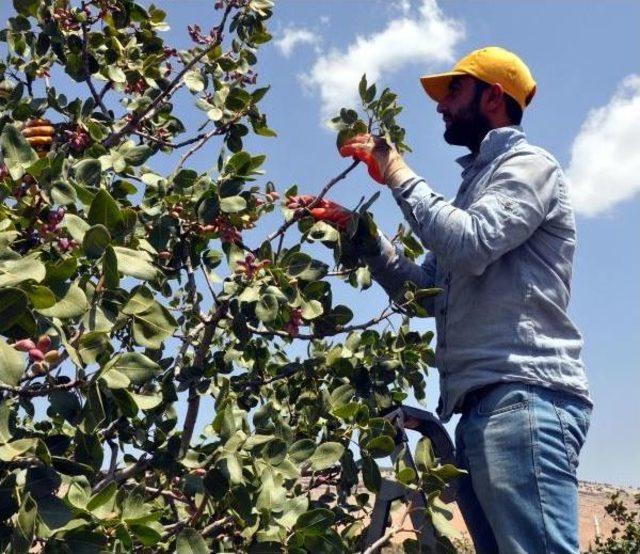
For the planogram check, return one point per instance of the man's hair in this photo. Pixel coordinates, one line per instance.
(514, 111)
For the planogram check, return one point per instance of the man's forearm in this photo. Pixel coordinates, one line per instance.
(392, 269)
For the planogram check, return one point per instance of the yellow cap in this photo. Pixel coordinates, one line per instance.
(491, 65)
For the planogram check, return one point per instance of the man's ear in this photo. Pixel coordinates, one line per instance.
(493, 97)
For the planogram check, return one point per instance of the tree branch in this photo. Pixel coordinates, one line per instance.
(337, 331)
(85, 57)
(283, 228)
(389, 534)
(193, 403)
(150, 110)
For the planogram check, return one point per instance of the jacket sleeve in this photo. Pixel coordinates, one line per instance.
(513, 205)
(391, 269)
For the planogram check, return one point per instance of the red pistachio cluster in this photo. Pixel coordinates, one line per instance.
(249, 78)
(40, 354)
(250, 267)
(271, 197)
(232, 3)
(67, 19)
(293, 325)
(138, 87)
(50, 228)
(195, 32)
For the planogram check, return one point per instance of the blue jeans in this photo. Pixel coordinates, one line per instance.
(520, 444)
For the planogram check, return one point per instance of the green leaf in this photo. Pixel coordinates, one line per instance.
(311, 309)
(315, 522)
(146, 401)
(73, 303)
(267, 308)
(371, 474)
(153, 326)
(116, 74)
(76, 226)
(379, 447)
(425, 457)
(13, 304)
(233, 204)
(102, 497)
(13, 272)
(362, 86)
(342, 395)
(272, 494)
(114, 379)
(41, 297)
(189, 541)
(214, 114)
(326, 455)
(194, 80)
(95, 241)
(302, 450)
(88, 173)
(447, 472)
(104, 210)
(136, 366)
(17, 448)
(12, 364)
(141, 299)
(136, 263)
(94, 346)
(237, 99)
(16, 151)
(26, 7)
(137, 155)
(110, 268)
(63, 193)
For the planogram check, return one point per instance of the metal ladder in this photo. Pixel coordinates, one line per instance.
(407, 418)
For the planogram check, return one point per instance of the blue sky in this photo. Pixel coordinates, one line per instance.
(579, 53)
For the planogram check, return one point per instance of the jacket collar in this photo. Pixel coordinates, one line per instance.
(495, 142)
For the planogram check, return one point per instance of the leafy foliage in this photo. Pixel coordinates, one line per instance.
(625, 537)
(111, 312)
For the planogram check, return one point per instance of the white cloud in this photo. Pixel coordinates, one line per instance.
(293, 37)
(605, 162)
(425, 37)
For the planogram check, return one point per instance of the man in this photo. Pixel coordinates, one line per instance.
(507, 353)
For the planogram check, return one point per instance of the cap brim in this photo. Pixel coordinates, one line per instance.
(437, 86)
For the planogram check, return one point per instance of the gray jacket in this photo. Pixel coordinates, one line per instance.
(502, 252)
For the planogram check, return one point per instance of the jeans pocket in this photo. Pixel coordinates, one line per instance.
(502, 399)
(574, 420)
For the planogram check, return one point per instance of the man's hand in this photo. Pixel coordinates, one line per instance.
(324, 210)
(365, 241)
(382, 160)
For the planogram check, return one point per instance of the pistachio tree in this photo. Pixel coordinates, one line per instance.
(130, 296)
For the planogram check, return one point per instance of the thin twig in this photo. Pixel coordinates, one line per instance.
(169, 143)
(386, 314)
(389, 534)
(85, 57)
(283, 228)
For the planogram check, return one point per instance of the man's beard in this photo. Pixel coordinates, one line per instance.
(467, 128)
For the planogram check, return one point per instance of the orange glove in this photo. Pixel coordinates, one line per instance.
(381, 159)
(324, 210)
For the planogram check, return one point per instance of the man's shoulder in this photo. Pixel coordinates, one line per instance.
(536, 153)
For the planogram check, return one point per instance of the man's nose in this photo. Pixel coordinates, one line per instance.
(440, 108)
